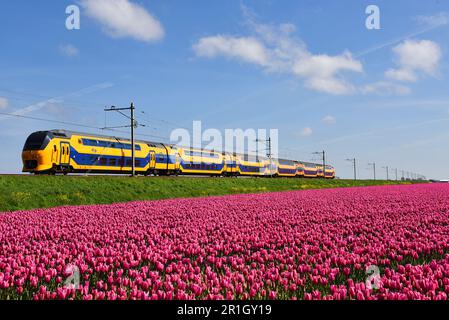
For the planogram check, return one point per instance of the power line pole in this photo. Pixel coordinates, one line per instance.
(133, 153)
(132, 125)
(396, 171)
(386, 168)
(373, 164)
(354, 167)
(269, 154)
(257, 150)
(324, 164)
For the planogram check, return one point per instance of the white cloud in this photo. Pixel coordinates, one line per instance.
(3, 103)
(385, 88)
(245, 48)
(306, 132)
(321, 72)
(401, 75)
(275, 49)
(329, 120)
(69, 50)
(437, 20)
(122, 18)
(414, 56)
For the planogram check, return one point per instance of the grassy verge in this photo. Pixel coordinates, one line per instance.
(30, 192)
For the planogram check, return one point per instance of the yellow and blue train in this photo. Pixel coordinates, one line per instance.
(62, 151)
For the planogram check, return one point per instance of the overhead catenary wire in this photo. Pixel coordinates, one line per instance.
(76, 124)
(48, 120)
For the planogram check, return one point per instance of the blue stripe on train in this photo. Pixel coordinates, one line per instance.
(287, 171)
(87, 159)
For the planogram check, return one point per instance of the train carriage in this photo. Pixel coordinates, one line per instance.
(310, 170)
(198, 161)
(286, 168)
(104, 154)
(250, 165)
(66, 151)
(330, 172)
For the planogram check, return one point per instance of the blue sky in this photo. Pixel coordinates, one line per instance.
(308, 68)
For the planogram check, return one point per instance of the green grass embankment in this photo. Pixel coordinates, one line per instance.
(29, 192)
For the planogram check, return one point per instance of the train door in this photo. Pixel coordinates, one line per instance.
(54, 155)
(152, 159)
(65, 153)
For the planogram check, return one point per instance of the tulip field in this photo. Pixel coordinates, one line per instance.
(311, 244)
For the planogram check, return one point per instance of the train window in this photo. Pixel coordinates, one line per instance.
(137, 162)
(112, 162)
(37, 141)
(109, 144)
(103, 161)
(203, 154)
(58, 134)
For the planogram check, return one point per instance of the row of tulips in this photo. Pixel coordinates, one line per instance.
(315, 244)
